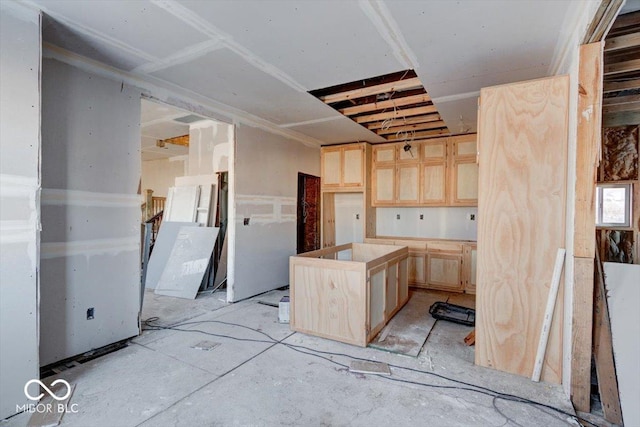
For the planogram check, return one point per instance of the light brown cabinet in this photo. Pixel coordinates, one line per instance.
(343, 167)
(470, 265)
(438, 172)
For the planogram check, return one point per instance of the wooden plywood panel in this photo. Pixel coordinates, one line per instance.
(408, 182)
(353, 166)
(384, 184)
(521, 215)
(433, 189)
(328, 220)
(466, 181)
(403, 285)
(410, 155)
(326, 303)
(391, 295)
(331, 167)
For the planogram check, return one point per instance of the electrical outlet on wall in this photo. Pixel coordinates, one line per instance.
(90, 313)
(357, 216)
(398, 216)
(246, 221)
(421, 216)
(471, 217)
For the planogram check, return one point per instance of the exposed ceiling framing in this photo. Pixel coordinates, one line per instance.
(395, 106)
(621, 104)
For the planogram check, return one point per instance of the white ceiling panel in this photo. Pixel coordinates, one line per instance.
(457, 41)
(318, 43)
(138, 24)
(226, 77)
(337, 131)
(88, 45)
(452, 110)
(164, 130)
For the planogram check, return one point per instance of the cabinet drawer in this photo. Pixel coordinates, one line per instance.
(445, 247)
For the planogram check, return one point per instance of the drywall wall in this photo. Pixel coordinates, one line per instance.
(349, 220)
(159, 175)
(265, 184)
(437, 222)
(623, 297)
(19, 202)
(90, 255)
(209, 145)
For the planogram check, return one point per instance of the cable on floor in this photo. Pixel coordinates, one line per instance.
(496, 395)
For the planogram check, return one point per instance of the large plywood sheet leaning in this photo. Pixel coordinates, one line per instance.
(521, 222)
(188, 262)
(623, 296)
(162, 249)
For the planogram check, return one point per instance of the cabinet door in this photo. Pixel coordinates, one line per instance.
(417, 274)
(464, 183)
(464, 146)
(384, 185)
(331, 167)
(411, 154)
(384, 154)
(434, 151)
(408, 184)
(353, 166)
(433, 185)
(470, 267)
(443, 271)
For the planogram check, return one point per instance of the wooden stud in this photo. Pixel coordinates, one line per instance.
(395, 102)
(622, 67)
(626, 20)
(618, 86)
(177, 140)
(618, 108)
(372, 90)
(408, 121)
(619, 100)
(471, 338)
(397, 113)
(622, 42)
(424, 134)
(602, 20)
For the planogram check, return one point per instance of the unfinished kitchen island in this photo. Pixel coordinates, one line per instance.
(348, 299)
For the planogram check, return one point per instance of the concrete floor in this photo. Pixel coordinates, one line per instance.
(160, 379)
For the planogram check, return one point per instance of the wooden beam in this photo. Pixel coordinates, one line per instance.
(623, 118)
(619, 100)
(409, 121)
(411, 128)
(622, 67)
(372, 90)
(407, 112)
(618, 86)
(602, 20)
(631, 106)
(425, 134)
(397, 102)
(581, 333)
(177, 140)
(626, 20)
(622, 42)
(603, 352)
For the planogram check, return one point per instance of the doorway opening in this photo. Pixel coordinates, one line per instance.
(308, 214)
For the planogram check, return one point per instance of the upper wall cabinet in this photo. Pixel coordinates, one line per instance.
(343, 167)
(435, 172)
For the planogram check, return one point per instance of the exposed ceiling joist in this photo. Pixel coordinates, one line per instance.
(178, 140)
(395, 102)
(622, 42)
(407, 121)
(620, 100)
(425, 134)
(397, 113)
(617, 108)
(372, 90)
(618, 86)
(622, 67)
(411, 128)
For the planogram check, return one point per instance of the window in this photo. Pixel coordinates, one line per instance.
(613, 205)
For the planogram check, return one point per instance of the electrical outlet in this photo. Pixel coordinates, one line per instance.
(398, 216)
(357, 216)
(246, 221)
(90, 313)
(421, 216)
(472, 217)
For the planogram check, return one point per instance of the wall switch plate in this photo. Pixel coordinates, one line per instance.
(246, 221)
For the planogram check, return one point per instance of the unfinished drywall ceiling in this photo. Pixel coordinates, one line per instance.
(19, 203)
(259, 58)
